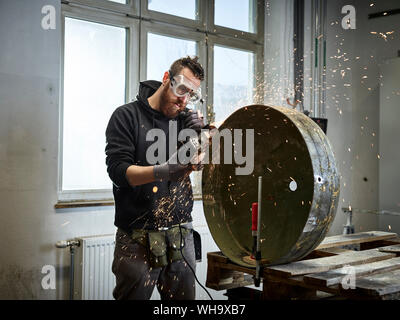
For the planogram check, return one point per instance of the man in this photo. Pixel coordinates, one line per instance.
(153, 202)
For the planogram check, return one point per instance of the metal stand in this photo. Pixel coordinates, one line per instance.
(349, 227)
(257, 278)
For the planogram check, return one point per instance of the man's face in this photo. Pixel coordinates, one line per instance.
(170, 104)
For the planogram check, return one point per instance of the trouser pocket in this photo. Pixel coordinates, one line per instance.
(157, 248)
(176, 242)
(163, 246)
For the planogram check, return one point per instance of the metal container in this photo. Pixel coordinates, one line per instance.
(300, 187)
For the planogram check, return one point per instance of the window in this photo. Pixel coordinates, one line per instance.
(94, 83)
(107, 51)
(180, 8)
(162, 50)
(233, 80)
(240, 15)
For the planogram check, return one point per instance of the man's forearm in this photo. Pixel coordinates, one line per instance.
(138, 175)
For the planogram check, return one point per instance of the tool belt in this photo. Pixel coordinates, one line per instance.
(163, 246)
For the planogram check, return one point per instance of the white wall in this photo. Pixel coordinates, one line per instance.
(389, 146)
(339, 106)
(353, 111)
(278, 52)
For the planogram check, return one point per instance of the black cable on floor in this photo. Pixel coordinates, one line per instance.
(194, 273)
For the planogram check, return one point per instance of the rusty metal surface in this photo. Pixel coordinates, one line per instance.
(289, 146)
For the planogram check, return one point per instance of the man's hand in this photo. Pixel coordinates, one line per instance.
(174, 169)
(171, 172)
(193, 120)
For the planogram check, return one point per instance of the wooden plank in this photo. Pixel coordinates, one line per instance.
(391, 242)
(222, 274)
(299, 281)
(355, 238)
(378, 244)
(252, 261)
(335, 251)
(393, 249)
(318, 254)
(217, 257)
(221, 278)
(335, 276)
(236, 280)
(235, 267)
(379, 285)
(278, 290)
(328, 263)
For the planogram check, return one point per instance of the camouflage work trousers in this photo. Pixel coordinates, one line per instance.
(136, 278)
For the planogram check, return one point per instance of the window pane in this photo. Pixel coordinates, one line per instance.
(162, 51)
(233, 80)
(94, 85)
(180, 8)
(236, 14)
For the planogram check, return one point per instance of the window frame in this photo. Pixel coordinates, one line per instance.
(174, 32)
(236, 33)
(139, 21)
(153, 15)
(201, 49)
(132, 6)
(237, 44)
(132, 32)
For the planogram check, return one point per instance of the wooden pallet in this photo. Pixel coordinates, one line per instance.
(373, 272)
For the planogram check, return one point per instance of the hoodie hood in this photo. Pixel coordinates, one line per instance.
(146, 90)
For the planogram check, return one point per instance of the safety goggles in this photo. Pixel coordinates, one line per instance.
(181, 87)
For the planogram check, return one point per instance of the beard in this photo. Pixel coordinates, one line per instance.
(168, 102)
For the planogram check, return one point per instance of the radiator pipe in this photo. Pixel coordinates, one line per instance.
(71, 244)
(71, 273)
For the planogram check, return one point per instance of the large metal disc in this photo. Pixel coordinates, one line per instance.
(299, 194)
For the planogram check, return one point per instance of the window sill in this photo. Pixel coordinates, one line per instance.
(96, 203)
(83, 203)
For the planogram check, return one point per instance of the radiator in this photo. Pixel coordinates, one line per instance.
(93, 278)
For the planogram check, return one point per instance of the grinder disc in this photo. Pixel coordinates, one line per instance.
(299, 194)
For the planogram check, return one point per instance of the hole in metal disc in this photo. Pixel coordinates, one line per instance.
(293, 185)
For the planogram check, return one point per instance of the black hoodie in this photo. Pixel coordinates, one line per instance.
(152, 205)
